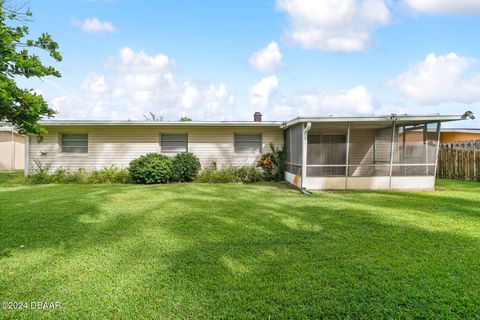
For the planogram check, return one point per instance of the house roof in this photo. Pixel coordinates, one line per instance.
(387, 119)
(51, 123)
(8, 129)
(462, 130)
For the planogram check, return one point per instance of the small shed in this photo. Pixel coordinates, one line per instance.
(12, 149)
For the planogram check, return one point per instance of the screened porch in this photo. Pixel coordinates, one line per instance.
(363, 153)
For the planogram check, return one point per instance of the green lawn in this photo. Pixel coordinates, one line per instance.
(239, 251)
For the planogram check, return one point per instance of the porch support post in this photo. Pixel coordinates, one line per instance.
(347, 156)
(425, 142)
(392, 148)
(439, 124)
(26, 165)
(306, 128)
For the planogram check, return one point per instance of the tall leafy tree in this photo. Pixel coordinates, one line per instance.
(22, 107)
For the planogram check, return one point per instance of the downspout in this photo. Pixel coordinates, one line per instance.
(304, 154)
(392, 148)
(26, 165)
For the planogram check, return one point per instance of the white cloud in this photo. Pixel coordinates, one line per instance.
(349, 102)
(136, 83)
(261, 92)
(462, 7)
(95, 84)
(93, 25)
(334, 25)
(440, 79)
(268, 59)
(276, 106)
(354, 101)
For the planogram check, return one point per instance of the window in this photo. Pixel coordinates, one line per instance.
(248, 143)
(173, 143)
(75, 142)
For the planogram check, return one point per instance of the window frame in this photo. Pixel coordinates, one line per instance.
(62, 146)
(173, 134)
(260, 149)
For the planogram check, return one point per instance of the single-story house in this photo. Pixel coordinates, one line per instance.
(12, 149)
(459, 135)
(373, 152)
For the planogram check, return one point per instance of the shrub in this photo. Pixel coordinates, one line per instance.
(107, 175)
(152, 168)
(41, 177)
(186, 166)
(273, 163)
(110, 175)
(268, 165)
(40, 166)
(80, 176)
(246, 174)
(216, 176)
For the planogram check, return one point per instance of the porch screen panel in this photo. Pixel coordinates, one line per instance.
(383, 150)
(325, 150)
(383, 145)
(293, 143)
(362, 153)
(370, 149)
(417, 145)
(334, 152)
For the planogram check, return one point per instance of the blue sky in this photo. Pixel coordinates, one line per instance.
(223, 60)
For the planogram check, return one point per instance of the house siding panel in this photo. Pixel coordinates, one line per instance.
(119, 145)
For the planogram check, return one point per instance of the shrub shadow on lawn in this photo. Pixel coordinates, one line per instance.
(49, 216)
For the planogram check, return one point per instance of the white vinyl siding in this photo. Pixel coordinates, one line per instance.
(248, 143)
(74, 142)
(119, 145)
(173, 143)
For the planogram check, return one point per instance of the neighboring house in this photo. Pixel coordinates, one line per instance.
(12, 149)
(458, 135)
(380, 152)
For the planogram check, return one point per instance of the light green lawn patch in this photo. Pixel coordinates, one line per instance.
(240, 251)
(9, 177)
